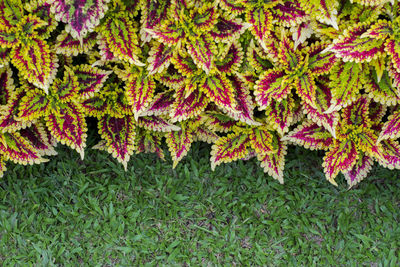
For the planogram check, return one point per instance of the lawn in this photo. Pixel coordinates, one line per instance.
(70, 212)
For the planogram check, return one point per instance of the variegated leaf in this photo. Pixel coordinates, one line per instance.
(231, 61)
(323, 10)
(289, 13)
(352, 47)
(69, 46)
(346, 81)
(171, 78)
(157, 124)
(37, 137)
(33, 105)
(67, 124)
(229, 148)
(217, 122)
(228, 30)
(90, 80)
(280, 115)
(342, 156)
(234, 7)
(261, 19)
(120, 36)
(311, 136)
(161, 104)
(382, 90)
(318, 114)
(153, 13)
(95, 106)
(219, 90)
(359, 171)
(81, 16)
(202, 49)
(19, 150)
(245, 104)
(390, 150)
(261, 140)
(41, 9)
(35, 62)
(188, 107)
(305, 88)
(139, 92)
(179, 143)
(391, 128)
(159, 58)
(272, 86)
(7, 87)
(392, 48)
(274, 163)
(119, 134)
(356, 114)
(318, 62)
(301, 32)
(9, 119)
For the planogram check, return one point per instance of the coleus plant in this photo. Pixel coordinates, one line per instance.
(249, 77)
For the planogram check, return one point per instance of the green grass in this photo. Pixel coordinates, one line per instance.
(72, 213)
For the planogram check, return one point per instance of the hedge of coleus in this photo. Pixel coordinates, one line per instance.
(248, 76)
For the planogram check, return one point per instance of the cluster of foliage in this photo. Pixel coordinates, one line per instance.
(248, 76)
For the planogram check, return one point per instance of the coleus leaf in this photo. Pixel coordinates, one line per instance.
(95, 106)
(7, 87)
(185, 65)
(346, 81)
(280, 114)
(41, 9)
(262, 141)
(81, 16)
(205, 135)
(153, 14)
(323, 10)
(171, 78)
(311, 136)
(19, 150)
(245, 105)
(119, 135)
(106, 55)
(205, 17)
(217, 122)
(4, 56)
(90, 79)
(382, 90)
(342, 156)
(352, 47)
(394, 74)
(257, 58)
(202, 49)
(157, 124)
(219, 89)
(160, 104)
(8, 38)
(229, 148)
(391, 128)
(67, 88)
(35, 62)
(318, 114)
(289, 13)
(305, 88)
(139, 91)
(233, 7)
(230, 62)
(67, 124)
(159, 58)
(228, 29)
(372, 2)
(3, 167)
(37, 137)
(290, 58)
(33, 105)
(319, 62)
(120, 36)
(271, 86)
(390, 150)
(301, 32)
(356, 114)
(179, 143)
(392, 48)
(261, 19)
(274, 163)
(167, 33)
(67, 45)
(359, 171)
(9, 119)
(188, 107)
